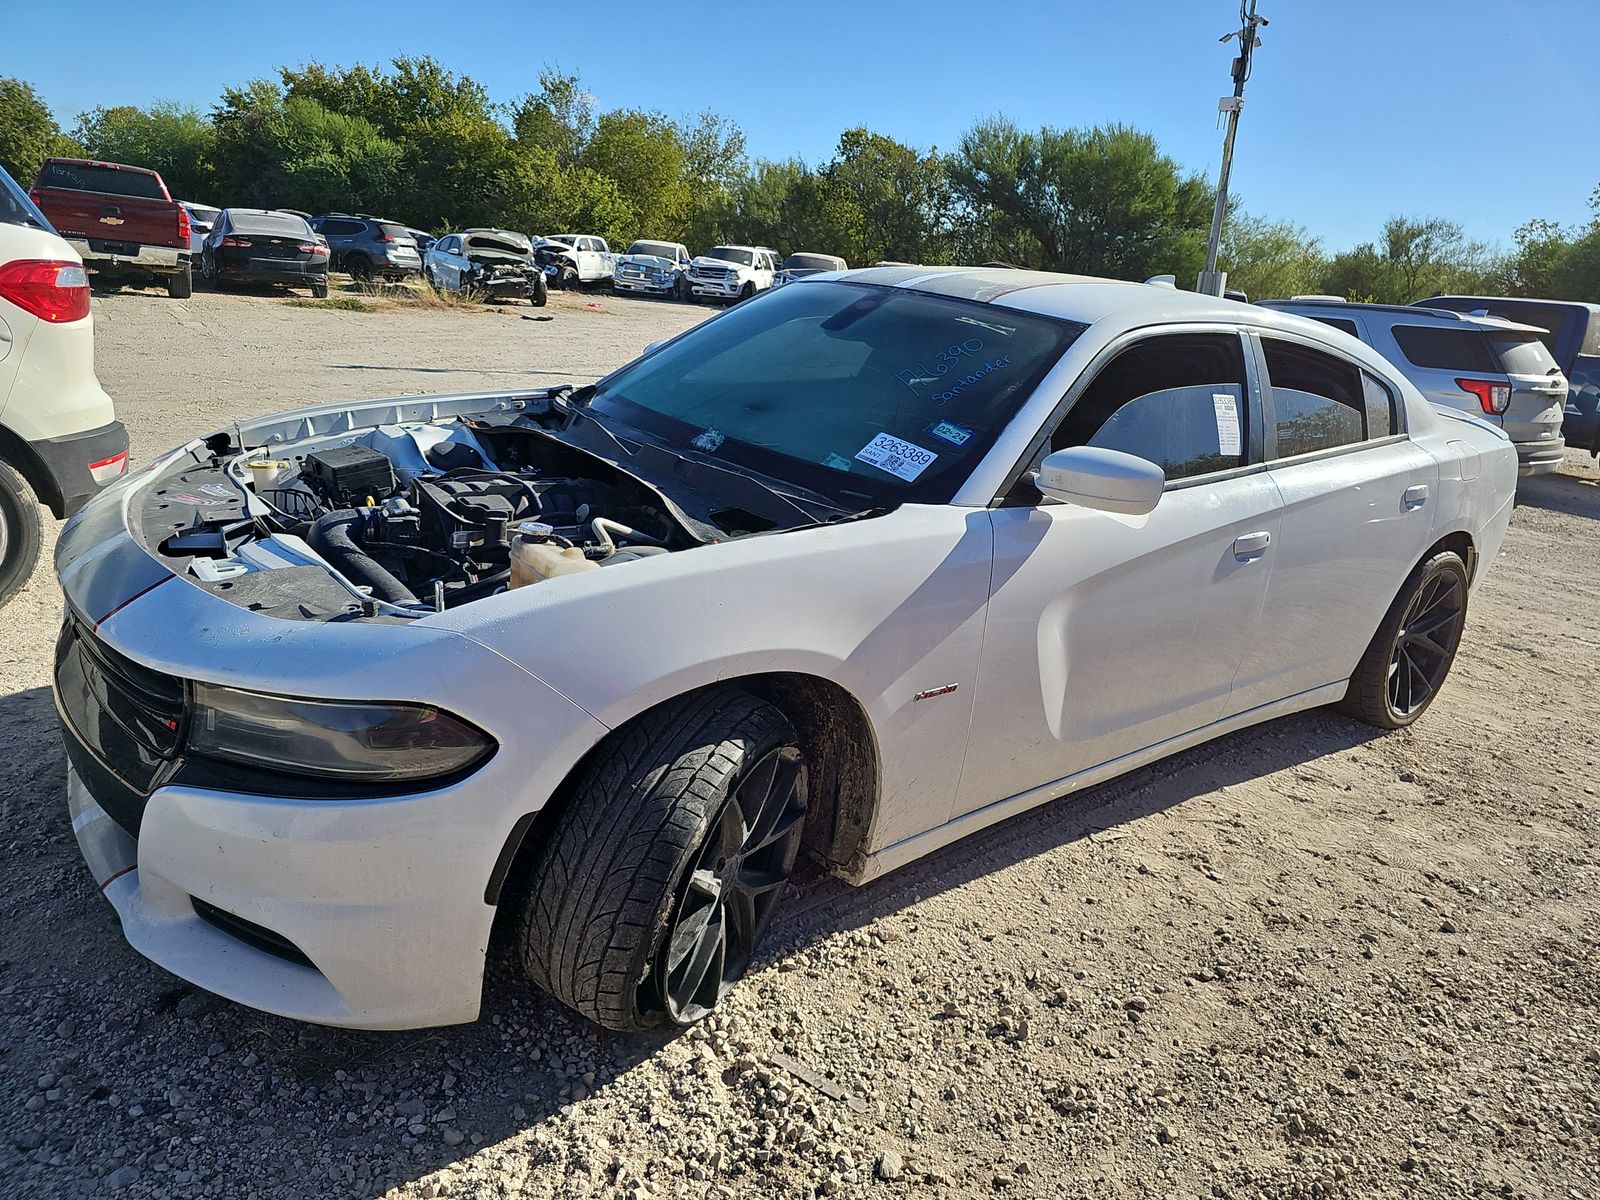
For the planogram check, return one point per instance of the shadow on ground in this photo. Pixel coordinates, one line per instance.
(1562, 493)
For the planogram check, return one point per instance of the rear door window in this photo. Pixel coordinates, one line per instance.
(1177, 400)
(1319, 401)
(1464, 349)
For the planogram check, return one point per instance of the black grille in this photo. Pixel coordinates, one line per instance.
(123, 722)
(250, 933)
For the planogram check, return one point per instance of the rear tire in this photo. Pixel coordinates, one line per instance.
(19, 532)
(1411, 654)
(181, 285)
(360, 268)
(541, 291)
(662, 873)
(319, 291)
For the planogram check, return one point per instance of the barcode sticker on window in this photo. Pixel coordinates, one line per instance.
(1228, 440)
(896, 457)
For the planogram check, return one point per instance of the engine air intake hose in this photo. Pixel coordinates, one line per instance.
(332, 537)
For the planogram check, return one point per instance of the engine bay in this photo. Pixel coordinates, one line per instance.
(416, 518)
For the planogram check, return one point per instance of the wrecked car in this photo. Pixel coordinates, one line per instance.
(497, 263)
(853, 570)
(653, 269)
(571, 259)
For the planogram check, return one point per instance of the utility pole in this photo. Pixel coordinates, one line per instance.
(1212, 282)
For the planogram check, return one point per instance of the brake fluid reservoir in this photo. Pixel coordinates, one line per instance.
(535, 557)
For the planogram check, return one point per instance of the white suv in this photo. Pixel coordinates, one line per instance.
(733, 272)
(59, 441)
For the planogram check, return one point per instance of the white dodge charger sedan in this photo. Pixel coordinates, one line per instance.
(855, 569)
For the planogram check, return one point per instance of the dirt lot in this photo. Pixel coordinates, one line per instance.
(1303, 961)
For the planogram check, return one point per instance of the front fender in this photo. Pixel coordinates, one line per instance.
(886, 608)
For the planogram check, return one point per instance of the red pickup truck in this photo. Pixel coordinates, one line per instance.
(119, 218)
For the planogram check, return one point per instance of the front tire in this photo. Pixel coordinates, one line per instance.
(19, 532)
(1410, 655)
(541, 291)
(662, 874)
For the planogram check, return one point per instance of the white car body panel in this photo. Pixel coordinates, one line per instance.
(48, 387)
(1003, 655)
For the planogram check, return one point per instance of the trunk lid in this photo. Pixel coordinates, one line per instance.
(1538, 388)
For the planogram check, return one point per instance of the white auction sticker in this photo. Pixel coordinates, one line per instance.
(896, 457)
(1228, 441)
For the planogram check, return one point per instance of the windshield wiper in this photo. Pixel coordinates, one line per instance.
(792, 495)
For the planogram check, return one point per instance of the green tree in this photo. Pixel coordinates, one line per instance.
(1102, 201)
(173, 139)
(28, 133)
(559, 117)
(1266, 258)
(880, 199)
(1416, 257)
(641, 153)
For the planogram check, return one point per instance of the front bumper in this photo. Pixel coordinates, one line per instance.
(722, 289)
(646, 286)
(77, 466)
(362, 891)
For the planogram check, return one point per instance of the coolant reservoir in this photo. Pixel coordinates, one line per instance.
(533, 557)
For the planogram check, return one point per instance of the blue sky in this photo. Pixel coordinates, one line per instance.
(1479, 110)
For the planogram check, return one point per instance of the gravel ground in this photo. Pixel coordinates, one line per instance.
(1303, 961)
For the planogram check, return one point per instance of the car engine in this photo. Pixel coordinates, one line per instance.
(424, 518)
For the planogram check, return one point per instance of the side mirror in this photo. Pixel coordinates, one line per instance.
(1108, 480)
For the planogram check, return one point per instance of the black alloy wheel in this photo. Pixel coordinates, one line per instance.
(1410, 655)
(728, 897)
(1426, 642)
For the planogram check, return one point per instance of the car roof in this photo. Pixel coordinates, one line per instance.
(1411, 312)
(1583, 304)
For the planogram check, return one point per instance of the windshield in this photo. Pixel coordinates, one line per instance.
(16, 208)
(655, 249)
(202, 214)
(865, 395)
(730, 254)
(1523, 354)
(810, 262)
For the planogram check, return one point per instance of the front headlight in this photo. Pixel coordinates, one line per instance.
(333, 739)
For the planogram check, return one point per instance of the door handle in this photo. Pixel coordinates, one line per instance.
(1415, 496)
(1248, 546)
